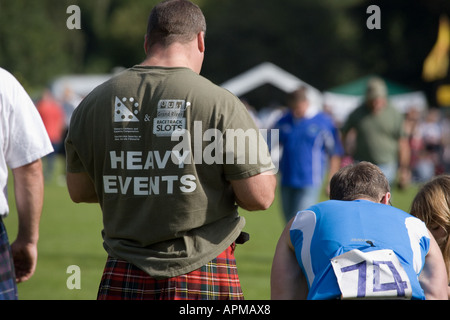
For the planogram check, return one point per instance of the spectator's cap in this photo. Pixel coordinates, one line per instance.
(376, 88)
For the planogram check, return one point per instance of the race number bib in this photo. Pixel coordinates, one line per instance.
(375, 274)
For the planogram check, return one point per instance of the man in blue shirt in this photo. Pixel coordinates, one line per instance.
(357, 246)
(311, 148)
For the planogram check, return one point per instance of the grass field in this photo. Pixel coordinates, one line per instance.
(70, 234)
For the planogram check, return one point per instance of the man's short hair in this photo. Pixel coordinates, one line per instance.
(174, 21)
(376, 88)
(359, 180)
(300, 94)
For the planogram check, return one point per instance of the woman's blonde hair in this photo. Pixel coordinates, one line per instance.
(432, 206)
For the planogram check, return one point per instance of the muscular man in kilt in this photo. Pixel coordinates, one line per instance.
(152, 147)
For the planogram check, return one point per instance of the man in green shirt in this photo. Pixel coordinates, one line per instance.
(160, 148)
(380, 136)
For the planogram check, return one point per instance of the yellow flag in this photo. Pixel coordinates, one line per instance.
(436, 63)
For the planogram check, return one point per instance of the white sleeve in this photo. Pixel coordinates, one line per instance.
(25, 138)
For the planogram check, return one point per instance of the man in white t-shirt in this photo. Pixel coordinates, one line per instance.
(23, 142)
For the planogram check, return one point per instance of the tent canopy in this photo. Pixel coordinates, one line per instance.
(268, 73)
(80, 85)
(264, 73)
(358, 87)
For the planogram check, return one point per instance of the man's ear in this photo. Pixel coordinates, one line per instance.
(201, 41)
(386, 198)
(146, 44)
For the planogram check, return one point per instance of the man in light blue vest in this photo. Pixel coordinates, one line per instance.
(357, 246)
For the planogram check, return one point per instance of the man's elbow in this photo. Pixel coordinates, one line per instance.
(267, 199)
(75, 198)
(81, 189)
(263, 200)
(78, 199)
(266, 202)
(83, 198)
(256, 205)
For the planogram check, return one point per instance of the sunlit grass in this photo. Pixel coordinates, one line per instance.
(70, 234)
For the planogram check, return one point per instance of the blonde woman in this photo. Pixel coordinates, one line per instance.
(432, 205)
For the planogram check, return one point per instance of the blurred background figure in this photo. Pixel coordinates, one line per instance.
(379, 132)
(431, 132)
(52, 115)
(446, 141)
(426, 140)
(311, 149)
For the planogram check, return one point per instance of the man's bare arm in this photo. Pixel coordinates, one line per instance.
(287, 281)
(255, 193)
(81, 188)
(29, 195)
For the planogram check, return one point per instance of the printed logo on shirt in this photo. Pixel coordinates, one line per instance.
(124, 114)
(170, 117)
(126, 111)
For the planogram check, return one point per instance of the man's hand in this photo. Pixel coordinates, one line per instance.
(25, 260)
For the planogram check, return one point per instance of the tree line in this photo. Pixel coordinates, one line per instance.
(323, 42)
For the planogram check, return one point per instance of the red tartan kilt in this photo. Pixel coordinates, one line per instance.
(217, 280)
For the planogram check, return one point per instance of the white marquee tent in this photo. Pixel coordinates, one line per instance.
(80, 85)
(268, 73)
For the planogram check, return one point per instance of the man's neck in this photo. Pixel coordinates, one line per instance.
(171, 57)
(165, 61)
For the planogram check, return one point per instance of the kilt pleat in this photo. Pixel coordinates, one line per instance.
(216, 280)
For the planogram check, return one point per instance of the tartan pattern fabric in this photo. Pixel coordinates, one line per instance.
(8, 286)
(217, 280)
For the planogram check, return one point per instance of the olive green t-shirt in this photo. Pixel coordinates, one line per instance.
(161, 145)
(377, 135)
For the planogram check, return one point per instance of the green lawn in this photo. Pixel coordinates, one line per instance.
(70, 234)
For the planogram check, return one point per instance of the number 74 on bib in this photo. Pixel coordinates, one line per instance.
(375, 274)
